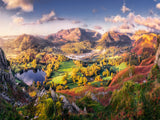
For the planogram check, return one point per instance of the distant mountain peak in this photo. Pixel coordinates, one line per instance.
(114, 39)
(75, 35)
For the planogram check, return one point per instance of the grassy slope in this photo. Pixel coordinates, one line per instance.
(65, 67)
(122, 66)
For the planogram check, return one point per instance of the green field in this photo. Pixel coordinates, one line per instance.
(65, 67)
(122, 66)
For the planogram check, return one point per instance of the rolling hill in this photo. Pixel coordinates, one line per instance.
(25, 42)
(145, 44)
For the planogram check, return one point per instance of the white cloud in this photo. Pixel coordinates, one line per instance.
(115, 19)
(149, 22)
(47, 18)
(132, 22)
(24, 5)
(158, 6)
(125, 9)
(124, 28)
(44, 19)
(18, 20)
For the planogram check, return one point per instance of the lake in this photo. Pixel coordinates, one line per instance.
(31, 75)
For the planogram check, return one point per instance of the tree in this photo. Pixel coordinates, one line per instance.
(56, 66)
(89, 83)
(34, 64)
(64, 79)
(80, 81)
(104, 73)
(108, 73)
(74, 76)
(34, 83)
(49, 70)
(38, 84)
(98, 78)
(112, 74)
(84, 80)
(25, 66)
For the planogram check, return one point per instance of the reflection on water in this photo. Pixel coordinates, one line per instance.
(31, 75)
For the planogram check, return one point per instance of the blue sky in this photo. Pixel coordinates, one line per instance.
(49, 16)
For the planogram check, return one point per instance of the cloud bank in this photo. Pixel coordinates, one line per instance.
(132, 21)
(24, 5)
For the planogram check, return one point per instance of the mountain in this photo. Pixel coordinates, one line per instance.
(146, 43)
(25, 42)
(138, 34)
(74, 35)
(113, 39)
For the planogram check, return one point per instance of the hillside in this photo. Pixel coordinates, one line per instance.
(138, 34)
(9, 90)
(146, 44)
(113, 39)
(25, 42)
(10, 93)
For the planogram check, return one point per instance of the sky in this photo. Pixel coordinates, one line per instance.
(43, 17)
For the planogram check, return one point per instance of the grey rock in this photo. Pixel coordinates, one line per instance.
(92, 96)
(85, 110)
(76, 107)
(53, 94)
(72, 108)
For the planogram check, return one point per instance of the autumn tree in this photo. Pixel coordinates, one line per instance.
(64, 79)
(84, 80)
(34, 64)
(98, 78)
(38, 84)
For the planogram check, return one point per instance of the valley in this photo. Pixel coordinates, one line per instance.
(107, 76)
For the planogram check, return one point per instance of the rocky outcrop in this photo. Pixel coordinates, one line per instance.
(8, 88)
(92, 96)
(3, 60)
(157, 60)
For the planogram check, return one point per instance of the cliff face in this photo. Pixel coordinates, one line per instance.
(3, 60)
(9, 91)
(157, 61)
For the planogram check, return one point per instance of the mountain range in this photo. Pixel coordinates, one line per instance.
(74, 35)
